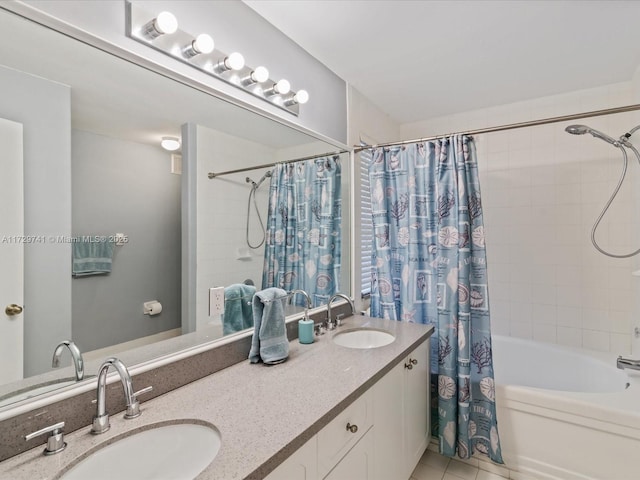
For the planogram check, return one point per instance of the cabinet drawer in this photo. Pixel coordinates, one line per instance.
(335, 440)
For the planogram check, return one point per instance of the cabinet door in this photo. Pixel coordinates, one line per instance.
(416, 402)
(335, 439)
(302, 465)
(388, 418)
(358, 463)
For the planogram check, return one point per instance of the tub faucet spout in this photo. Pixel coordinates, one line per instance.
(623, 363)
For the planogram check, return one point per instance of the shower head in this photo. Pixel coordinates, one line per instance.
(582, 129)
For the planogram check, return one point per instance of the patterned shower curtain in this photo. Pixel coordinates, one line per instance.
(304, 229)
(429, 266)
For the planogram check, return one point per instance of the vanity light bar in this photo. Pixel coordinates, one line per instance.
(162, 33)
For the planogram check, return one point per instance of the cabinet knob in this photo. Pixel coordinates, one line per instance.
(413, 361)
(352, 428)
(408, 366)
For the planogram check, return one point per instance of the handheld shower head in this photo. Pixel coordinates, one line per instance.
(577, 129)
(582, 129)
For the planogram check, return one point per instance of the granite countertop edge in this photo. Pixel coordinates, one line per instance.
(263, 413)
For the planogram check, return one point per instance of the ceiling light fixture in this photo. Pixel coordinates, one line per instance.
(170, 144)
(164, 24)
(282, 87)
(259, 75)
(234, 61)
(202, 44)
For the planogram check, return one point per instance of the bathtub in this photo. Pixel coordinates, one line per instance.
(566, 414)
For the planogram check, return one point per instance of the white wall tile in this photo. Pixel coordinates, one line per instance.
(596, 340)
(570, 337)
(543, 190)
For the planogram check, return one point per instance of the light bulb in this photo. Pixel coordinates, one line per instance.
(164, 24)
(235, 61)
(282, 87)
(260, 74)
(301, 97)
(170, 143)
(202, 44)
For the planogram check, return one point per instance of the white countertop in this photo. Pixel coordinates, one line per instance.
(263, 413)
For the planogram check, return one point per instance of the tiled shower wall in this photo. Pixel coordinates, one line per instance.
(542, 191)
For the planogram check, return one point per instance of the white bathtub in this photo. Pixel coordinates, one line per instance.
(566, 414)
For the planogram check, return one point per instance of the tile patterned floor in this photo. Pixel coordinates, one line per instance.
(434, 466)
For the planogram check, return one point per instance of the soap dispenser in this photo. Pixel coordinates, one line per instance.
(305, 329)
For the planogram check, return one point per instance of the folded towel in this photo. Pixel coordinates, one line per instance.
(91, 257)
(269, 343)
(238, 313)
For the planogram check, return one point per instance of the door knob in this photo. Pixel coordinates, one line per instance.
(13, 309)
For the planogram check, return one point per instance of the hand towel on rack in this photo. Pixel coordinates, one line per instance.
(238, 314)
(91, 257)
(269, 342)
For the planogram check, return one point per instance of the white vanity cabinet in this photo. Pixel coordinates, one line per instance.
(338, 452)
(401, 416)
(358, 463)
(302, 465)
(380, 436)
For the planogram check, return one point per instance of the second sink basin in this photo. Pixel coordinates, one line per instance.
(363, 338)
(164, 451)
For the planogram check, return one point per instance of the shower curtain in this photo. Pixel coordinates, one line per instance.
(429, 266)
(304, 229)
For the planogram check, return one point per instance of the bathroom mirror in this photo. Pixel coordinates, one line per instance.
(92, 126)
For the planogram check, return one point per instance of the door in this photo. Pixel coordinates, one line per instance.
(11, 252)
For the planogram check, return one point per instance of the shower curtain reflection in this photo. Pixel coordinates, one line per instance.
(303, 249)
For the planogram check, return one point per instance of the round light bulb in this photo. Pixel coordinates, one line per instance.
(170, 143)
(235, 61)
(282, 87)
(203, 43)
(301, 97)
(260, 74)
(166, 23)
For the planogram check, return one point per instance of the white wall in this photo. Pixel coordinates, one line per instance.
(542, 190)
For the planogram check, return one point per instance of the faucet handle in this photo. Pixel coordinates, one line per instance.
(339, 318)
(55, 441)
(133, 410)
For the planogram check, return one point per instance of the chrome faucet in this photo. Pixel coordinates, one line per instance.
(101, 420)
(306, 295)
(623, 363)
(331, 324)
(76, 355)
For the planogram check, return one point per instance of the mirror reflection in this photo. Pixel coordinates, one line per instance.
(98, 188)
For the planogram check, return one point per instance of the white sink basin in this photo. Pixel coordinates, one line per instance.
(166, 451)
(363, 338)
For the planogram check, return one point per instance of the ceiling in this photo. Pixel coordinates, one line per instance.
(422, 59)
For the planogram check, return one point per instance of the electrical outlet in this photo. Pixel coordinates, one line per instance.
(216, 301)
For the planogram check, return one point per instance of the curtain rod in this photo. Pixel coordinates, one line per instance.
(512, 126)
(267, 165)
